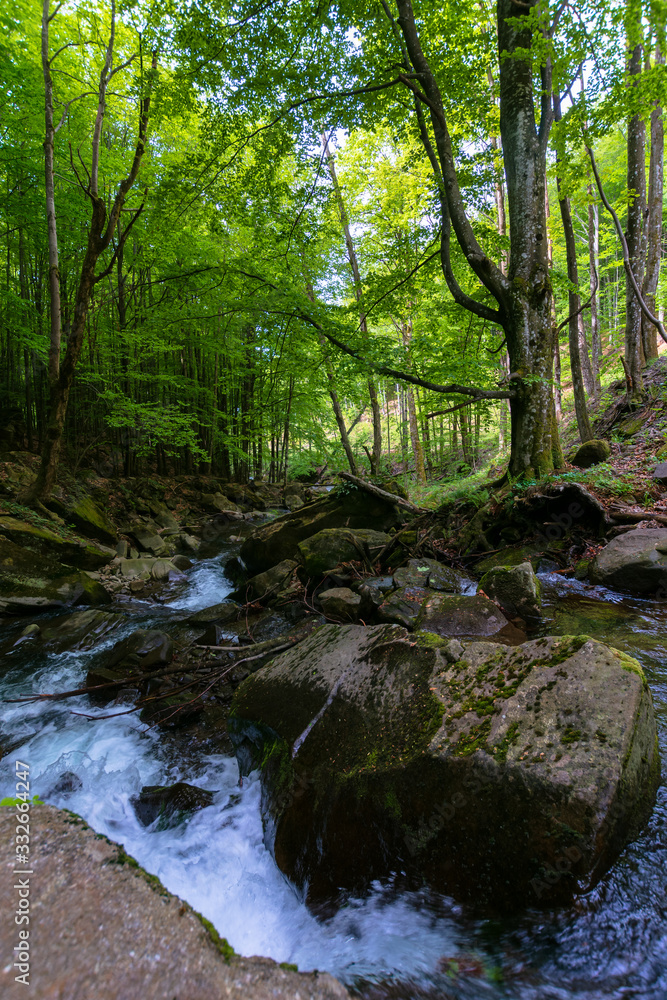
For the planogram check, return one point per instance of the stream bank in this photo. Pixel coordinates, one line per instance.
(394, 941)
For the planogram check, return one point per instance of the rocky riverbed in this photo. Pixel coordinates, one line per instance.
(436, 764)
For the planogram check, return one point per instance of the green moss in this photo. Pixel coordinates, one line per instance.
(123, 859)
(289, 967)
(501, 749)
(570, 735)
(632, 666)
(475, 739)
(221, 944)
(429, 640)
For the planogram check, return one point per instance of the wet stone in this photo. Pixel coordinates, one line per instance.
(169, 804)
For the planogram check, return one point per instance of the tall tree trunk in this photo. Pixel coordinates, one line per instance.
(526, 303)
(501, 220)
(417, 449)
(333, 394)
(49, 179)
(358, 291)
(594, 283)
(524, 294)
(100, 233)
(578, 352)
(636, 204)
(558, 391)
(654, 224)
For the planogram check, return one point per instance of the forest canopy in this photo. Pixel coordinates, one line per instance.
(254, 238)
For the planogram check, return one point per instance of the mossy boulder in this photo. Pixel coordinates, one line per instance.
(631, 425)
(87, 517)
(30, 594)
(635, 561)
(341, 603)
(266, 585)
(403, 607)
(141, 652)
(443, 614)
(513, 555)
(515, 588)
(504, 776)
(591, 453)
(326, 549)
(271, 543)
(79, 630)
(217, 614)
(433, 574)
(218, 503)
(52, 549)
(147, 540)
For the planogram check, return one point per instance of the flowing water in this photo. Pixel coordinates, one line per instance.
(391, 944)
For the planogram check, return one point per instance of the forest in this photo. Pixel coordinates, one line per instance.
(333, 499)
(259, 239)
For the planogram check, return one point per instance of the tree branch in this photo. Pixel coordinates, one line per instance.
(452, 409)
(626, 253)
(60, 124)
(485, 269)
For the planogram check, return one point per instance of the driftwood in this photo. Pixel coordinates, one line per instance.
(382, 494)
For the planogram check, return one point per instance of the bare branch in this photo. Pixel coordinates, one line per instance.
(122, 66)
(121, 242)
(67, 45)
(586, 305)
(626, 253)
(452, 409)
(60, 124)
(101, 103)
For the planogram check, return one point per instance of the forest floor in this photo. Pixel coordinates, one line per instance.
(638, 441)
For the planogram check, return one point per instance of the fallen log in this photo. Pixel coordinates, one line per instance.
(382, 494)
(624, 515)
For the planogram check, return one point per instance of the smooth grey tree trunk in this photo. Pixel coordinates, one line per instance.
(654, 224)
(634, 355)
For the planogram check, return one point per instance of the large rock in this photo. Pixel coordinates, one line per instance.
(443, 614)
(267, 584)
(433, 574)
(635, 561)
(79, 630)
(87, 517)
(515, 588)
(50, 595)
(278, 540)
(461, 616)
(592, 453)
(147, 540)
(30, 581)
(341, 603)
(105, 928)
(141, 652)
(506, 776)
(403, 607)
(326, 549)
(660, 473)
(52, 549)
(218, 502)
(217, 614)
